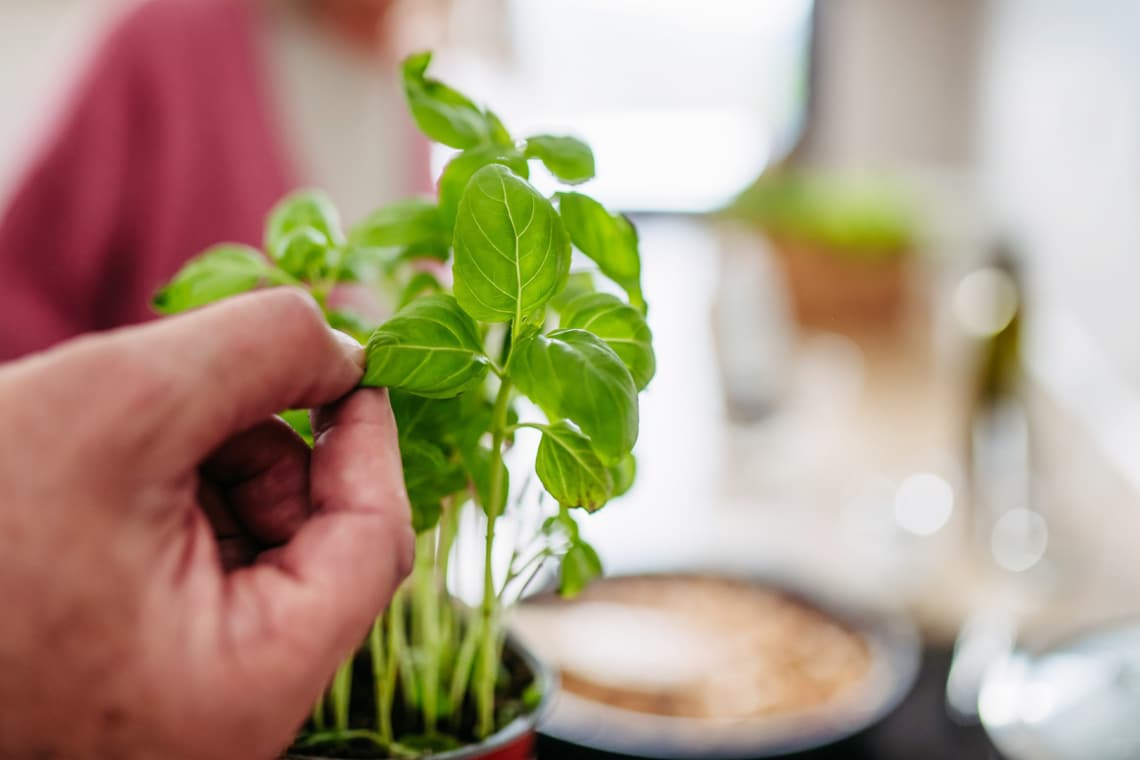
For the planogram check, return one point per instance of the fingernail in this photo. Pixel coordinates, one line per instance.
(352, 347)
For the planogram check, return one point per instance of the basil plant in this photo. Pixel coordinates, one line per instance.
(507, 321)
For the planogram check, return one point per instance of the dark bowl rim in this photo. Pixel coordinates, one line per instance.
(890, 632)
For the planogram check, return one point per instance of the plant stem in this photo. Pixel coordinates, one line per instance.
(319, 713)
(448, 527)
(398, 633)
(342, 695)
(514, 575)
(426, 610)
(464, 661)
(376, 651)
(489, 660)
(387, 699)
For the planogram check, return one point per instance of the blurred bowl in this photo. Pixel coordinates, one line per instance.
(664, 659)
(1078, 699)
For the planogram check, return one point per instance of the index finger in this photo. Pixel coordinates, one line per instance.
(244, 359)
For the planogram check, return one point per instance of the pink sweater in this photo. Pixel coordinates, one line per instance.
(167, 146)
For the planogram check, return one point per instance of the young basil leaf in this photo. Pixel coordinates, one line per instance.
(610, 240)
(624, 474)
(512, 254)
(431, 348)
(429, 479)
(351, 323)
(572, 374)
(577, 285)
(420, 283)
(499, 133)
(570, 469)
(458, 172)
(368, 265)
(621, 326)
(442, 113)
(222, 271)
(305, 208)
(580, 565)
(567, 158)
(301, 252)
(562, 524)
(428, 419)
(300, 421)
(415, 224)
(477, 462)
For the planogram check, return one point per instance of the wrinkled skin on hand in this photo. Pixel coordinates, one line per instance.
(180, 573)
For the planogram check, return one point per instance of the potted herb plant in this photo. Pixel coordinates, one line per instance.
(493, 340)
(844, 244)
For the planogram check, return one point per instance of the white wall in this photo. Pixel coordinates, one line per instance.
(1060, 155)
(896, 83)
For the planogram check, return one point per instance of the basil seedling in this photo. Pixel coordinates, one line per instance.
(510, 322)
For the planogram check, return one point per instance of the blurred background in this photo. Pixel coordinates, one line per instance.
(890, 248)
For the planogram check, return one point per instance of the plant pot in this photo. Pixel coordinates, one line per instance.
(840, 291)
(515, 741)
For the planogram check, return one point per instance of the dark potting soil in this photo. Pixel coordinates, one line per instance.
(512, 699)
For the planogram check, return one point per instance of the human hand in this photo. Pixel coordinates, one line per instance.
(129, 630)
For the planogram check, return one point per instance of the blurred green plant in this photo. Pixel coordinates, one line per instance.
(506, 321)
(853, 216)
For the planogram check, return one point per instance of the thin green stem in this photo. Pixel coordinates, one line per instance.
(489, 660)
(342, 695)
(387, 700)
(426, 610)
(398, 632)
(376, 652)
(393, 749)
(448, 529)
(319, 713)
(464, 661)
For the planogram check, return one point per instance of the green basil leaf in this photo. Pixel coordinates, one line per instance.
(305, 208)
(609, 239)
(499, 133)
(512, 254)
(580, 565)
(477, 461)
(572, 374)
(577, 285)
(567, 158)
(621, 326)
(222, 271)
(414, 224)
(429, 478)
(570, 469)
(300, 421)
(428, 419)
(624, 474)
(418, 284)
(431, 348)
(442, 113)
(369, 265)
(352, 323)
(458, 172)
(561, 524)
(302, 252)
